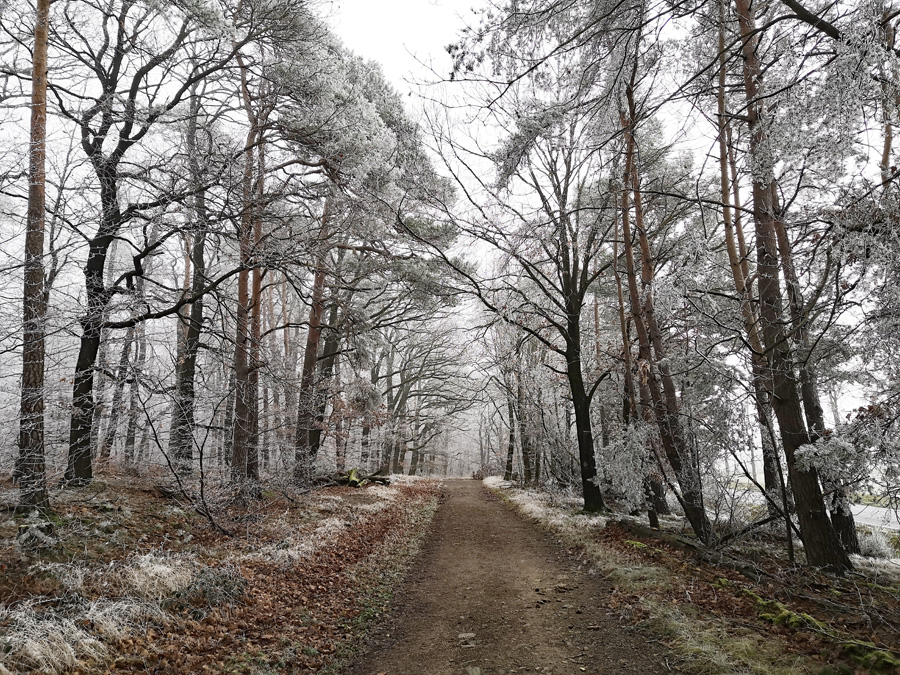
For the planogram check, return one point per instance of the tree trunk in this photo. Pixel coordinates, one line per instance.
(822, 546)
(511, 444)
(265, 433)
(306, 408)
(740, 268)
(414, 462)
(31, 470)
(398, 455)
(839, 504)
(326, 366)
(364, 440)
(134, 398)
(524, 439)
(574, 288)
(118, 394)
(593, 498)
(181, 434)
(662, 403)
(228, 432)
(79, 468)
(243, 415)
(341, 431)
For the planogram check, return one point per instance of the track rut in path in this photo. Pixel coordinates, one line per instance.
(492, 593)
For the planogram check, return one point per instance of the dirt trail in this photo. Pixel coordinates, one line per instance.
(493, 594)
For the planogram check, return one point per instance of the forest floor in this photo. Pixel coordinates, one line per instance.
(124, 577)
(492, 593)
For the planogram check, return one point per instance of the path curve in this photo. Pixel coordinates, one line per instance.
(492, 593)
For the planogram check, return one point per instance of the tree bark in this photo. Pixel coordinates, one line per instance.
(662, 403)
(112, 425)
(581, 402)
(181, 433)
(31, 470)
(822, 546)
(740, 270)
(306, 408)
(243, 393)
(79, 469)
(364, 442)
(839, 503)
(524, 439)
(134, 397)
(326, 366)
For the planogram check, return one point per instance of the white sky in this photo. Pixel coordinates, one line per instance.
(401, 34)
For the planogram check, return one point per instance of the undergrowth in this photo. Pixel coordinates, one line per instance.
(121, 578)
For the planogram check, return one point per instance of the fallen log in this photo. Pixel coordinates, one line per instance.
(352, 478)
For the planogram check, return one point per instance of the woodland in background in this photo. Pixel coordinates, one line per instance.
(226, 280)
(645, 248)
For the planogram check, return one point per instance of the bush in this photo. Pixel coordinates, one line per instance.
(874, 544)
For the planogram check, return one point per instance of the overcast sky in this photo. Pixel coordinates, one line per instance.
(401, 33)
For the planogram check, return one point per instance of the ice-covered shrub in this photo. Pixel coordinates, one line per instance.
(623, 463)
(156, 576)
(873, 543)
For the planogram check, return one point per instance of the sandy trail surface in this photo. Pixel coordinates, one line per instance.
(492, 593)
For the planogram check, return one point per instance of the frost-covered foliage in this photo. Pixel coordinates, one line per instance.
(302, 544)
(33, 641)
(536, 121)
(625, 463)
(154, 577)
(105, 603)
(864, 453)
(151, 576)
(883, 569)
(339, 517)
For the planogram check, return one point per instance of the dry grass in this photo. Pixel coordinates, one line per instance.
(117, 561)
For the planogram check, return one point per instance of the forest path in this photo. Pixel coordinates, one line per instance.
(491, 593)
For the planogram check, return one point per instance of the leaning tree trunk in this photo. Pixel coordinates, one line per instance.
(663, 402)
(654, 488)
(821, 543)
(740, 268)
(841, 515)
